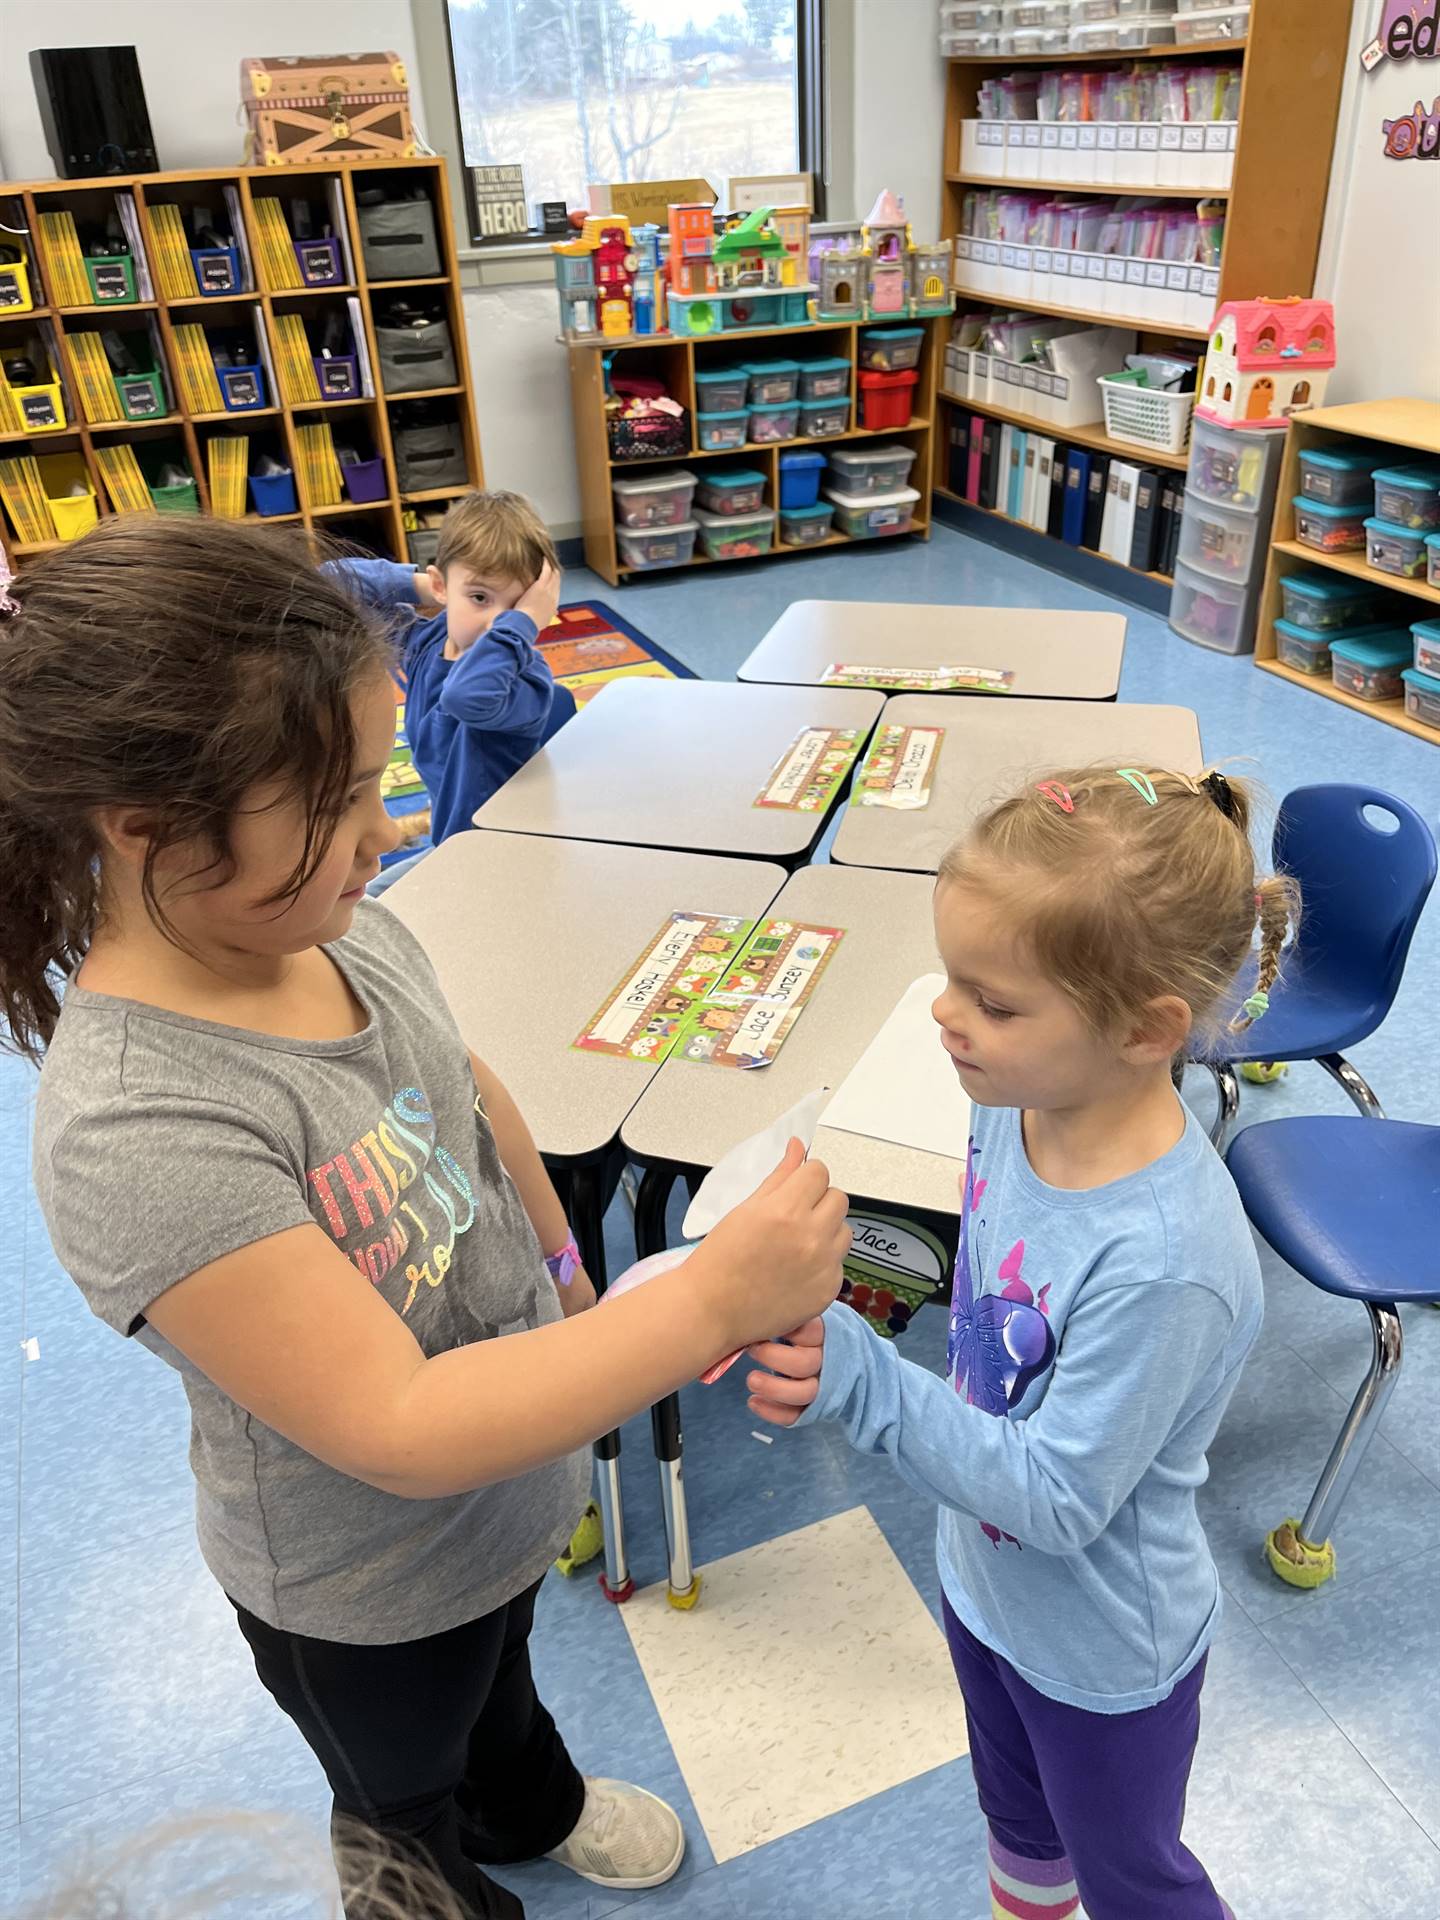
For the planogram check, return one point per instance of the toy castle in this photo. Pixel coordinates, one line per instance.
(879, 273)
(1267, 359)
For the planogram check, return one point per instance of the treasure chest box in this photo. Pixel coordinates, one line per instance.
(344, 106)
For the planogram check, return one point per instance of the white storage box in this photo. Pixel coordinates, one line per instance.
(1147, 416)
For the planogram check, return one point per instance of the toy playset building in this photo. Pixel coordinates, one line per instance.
(595, 277)
(878, 272)
(1268, 359)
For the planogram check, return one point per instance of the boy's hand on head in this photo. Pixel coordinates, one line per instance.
(541, 597)
(793, 1381)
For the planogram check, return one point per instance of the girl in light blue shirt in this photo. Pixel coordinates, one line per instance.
(1106, 1294)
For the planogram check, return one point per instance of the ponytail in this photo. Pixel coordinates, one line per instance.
(1277, 907)
(49, 886)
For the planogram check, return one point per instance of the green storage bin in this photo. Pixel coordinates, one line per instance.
(141, 395)
(112, 279)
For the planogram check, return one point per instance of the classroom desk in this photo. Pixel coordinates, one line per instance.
(992, 749)
(691, 1115)
(528, 936)
(1053, 655)
(679, 763)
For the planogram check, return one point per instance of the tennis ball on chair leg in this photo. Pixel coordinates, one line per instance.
(1263, 1073)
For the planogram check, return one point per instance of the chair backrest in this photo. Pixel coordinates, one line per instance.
(1364, 884)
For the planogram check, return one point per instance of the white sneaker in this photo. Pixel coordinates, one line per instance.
(625, 1838)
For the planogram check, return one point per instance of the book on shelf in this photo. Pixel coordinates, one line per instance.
(977, 454)
(226, 459)
(123, 480)
(24, 500)
(1095, 501)
(174, 269)
(1055, 523)
(99, 400)
(1077, 493)
(298, 384)
(1147, 520)
(64, 260)
(195, 370)
(279, 267)
(319, 466)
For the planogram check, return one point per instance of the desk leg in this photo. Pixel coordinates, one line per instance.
(587, 1217)
(650, 1237)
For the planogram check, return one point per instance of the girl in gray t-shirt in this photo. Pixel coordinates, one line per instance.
(262, 1148)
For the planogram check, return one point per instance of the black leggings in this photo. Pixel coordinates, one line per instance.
(440, 1745)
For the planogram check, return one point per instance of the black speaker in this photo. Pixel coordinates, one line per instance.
(92, 106)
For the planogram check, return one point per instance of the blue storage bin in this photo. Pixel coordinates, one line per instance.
(242, 387)
(319, 262)
(273, 493)
(800, 478)
(217, 270)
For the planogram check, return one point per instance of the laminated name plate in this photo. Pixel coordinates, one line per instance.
(899, 768)
(661, 989)
(957, 679)
(750, 1011)
(810, 769)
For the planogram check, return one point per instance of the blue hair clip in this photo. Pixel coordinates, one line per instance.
(1141, 782)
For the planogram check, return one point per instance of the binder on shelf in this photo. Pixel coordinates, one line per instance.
(1109, 510)
(1077, 493)
(977, 454)
(990, 463)
(1028, 480)
(957, 451)
(1095, 500)
(1172, 499)
(1055, 522)
(1039, 512)
(362, 351)
(1014, 497)
(1147, 520)
(1122, 536)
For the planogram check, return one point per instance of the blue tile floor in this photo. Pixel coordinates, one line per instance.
(126, 1696)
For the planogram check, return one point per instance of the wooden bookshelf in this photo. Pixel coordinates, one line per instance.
(675, 360)
(378, 525)
(1412, 428)
(1275, 202)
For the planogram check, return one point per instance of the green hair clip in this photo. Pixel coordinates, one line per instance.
(1141, 782)
(1258, 1004)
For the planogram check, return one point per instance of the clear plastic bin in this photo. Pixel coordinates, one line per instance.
(1432, 552)
(1213, 613)
(736, 536)
(1143, 30)
(654, 500)
(1211, 23)
(1032, 40)
(1426, 635)
(781, 422)
(969, 46)
(1036, 13)
(824, 379)
(1327, 603)
(721, 389)
(1329, 529)
(1306, 652)
(888, 349)
(1229, 467)
(1408, 496)
(1339, 477)
(722, 432)
(645, 548)
(1392, 549)
(859, 470)
(1218, 540)
(1422, 696)
(806, 526)
(962, 16)
(1083, 10)
(1370, 669)
(866, 516)
(732, 490)
(822, 419)
(772, 382)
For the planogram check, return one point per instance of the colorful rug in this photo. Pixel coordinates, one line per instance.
(585, 646)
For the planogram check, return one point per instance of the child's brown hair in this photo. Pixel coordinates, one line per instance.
(497, 534)
(1127, 887)
(170, 665)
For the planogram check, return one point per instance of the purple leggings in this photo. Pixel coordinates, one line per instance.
(1106, 1791)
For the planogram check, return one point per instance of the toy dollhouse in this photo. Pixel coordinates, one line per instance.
(595, 278)
(1268, 359)
(838, 271)
(877, 272)
(793, 226)
(733, 279)
(692, 249)
(885, 236)
(750, 254)
(930, 274)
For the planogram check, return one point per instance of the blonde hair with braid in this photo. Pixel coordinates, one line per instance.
(1123, 898)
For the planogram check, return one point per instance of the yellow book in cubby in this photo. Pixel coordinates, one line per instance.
(195, 371)
(124, 482)
(227, 458)
(174, 269)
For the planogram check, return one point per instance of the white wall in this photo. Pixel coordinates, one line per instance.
(898, 108)
(1379, 259)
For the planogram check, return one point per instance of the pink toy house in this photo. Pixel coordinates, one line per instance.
(886, 234)
(1267, 359)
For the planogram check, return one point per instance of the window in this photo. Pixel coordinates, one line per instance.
(574, 91)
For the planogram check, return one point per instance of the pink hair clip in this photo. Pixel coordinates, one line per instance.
(8, 602)
(1141, 782)
(1057, 791)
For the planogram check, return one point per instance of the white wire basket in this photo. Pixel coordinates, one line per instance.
(1147, 416)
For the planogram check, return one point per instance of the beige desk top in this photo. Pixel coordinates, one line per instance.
(1059, 655)
(677, 763)
(528, 937)
(992, 747)
(693, 1113)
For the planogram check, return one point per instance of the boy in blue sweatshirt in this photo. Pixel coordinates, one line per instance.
(479, 698)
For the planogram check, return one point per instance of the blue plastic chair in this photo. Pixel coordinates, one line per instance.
(1363, 890)
(1354, 1206)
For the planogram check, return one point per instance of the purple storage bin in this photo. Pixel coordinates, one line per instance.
(364, 479)
(320, 263)
(338, 377)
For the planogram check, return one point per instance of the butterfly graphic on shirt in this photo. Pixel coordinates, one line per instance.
(999, 1342)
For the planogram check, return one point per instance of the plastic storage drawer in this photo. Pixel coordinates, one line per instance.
(824, 379)
(644, 548)
(889, 349)
(1213, 613)
(1212, 23)
(824, 419)
(654, 499)
(1426, 634)
(1306, 652)
(1329, 529)
(1342, 478)
(866, 516)
(1432, 549)
(1327, 603)
(731, 490)
(772, 382)
(1422, 697)
(1124, 35)
(736, 536)
(397, 240)
(1231, 468)
(778, 422)
(800, 478)
(1370, 669)
(1408, 496)
(721, 389)
(964, 16)
(871, 469)
(1218, 540)
(722, 432)
(1392, 549)
(806, 526)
